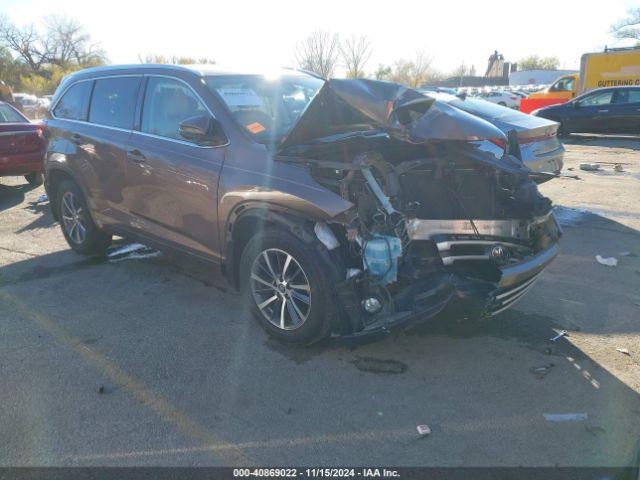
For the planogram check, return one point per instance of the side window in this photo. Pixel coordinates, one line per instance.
(73, 104)
(563, 85)
(113, 102)
(627, 96)
(9, 115)
(167, 103)
(595, 99)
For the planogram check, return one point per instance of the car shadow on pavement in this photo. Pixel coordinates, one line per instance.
(12, 195)
(195, 351)
(44, 217)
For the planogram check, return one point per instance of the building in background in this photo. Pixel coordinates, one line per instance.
(537, 77)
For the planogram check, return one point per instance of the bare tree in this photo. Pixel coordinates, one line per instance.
(629, 27)
(534, 62)
(174, 59)
(64, 43)
(413, 73)
(25, 43)
(319, 53)
(68, 43)
(355, 52)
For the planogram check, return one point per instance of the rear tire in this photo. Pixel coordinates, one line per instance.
(502, 104)
(34, 179)
(287, 287)
(81, 233)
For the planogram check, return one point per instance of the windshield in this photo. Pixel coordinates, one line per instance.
(265, 107)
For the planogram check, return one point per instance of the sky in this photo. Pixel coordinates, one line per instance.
(263, 34)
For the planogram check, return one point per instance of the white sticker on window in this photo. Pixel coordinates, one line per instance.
(240, 97)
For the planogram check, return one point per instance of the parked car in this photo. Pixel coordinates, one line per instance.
(28, 103)
(345, 207)
(537, 143)
(605, 110)
(21, 145)
(506, 99)
(430, 88)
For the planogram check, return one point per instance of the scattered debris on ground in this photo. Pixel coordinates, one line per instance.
(423, 430)
(542, 370)
(623, 351)
(627, 254)
(608, 261)
(560, 334)
(589, 167)
(376, 365)
(42, 198)
(565, 417)
(132, 251)
(101, 390)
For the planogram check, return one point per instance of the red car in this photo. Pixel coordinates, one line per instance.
(22, 145)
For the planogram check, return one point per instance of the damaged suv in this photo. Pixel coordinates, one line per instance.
(341, 207)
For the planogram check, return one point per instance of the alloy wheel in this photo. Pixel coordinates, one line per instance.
(73, 218)
(281, 289)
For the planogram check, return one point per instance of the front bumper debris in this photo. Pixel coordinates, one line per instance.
(463, 296)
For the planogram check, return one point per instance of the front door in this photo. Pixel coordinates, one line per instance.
(172, 182)
(592, 113)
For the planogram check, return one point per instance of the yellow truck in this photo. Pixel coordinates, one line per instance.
(612, 68)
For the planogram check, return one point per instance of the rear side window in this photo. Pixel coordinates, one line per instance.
(73, 104)
(113, 102)
(628, 96)
(167, 103)
(9, 115)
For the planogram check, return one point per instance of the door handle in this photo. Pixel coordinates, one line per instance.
(603, 111)
(136, 156)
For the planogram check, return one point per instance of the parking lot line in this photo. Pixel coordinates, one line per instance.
(230, 452)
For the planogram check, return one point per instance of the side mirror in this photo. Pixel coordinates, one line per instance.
(201, 129)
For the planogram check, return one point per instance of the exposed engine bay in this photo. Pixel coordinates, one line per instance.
(442, 216)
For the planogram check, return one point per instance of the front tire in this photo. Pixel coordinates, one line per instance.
(287, 287)
(35, 179)
(81, 233)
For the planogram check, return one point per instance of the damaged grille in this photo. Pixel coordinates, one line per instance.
(502, 253)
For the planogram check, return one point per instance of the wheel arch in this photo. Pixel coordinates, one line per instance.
(53, 178)
(250, 218)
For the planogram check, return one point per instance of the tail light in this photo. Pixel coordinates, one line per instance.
(539, 138)
(500, 142)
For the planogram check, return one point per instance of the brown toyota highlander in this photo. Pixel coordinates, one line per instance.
(340, 207)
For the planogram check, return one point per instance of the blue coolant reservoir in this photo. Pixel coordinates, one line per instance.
(381, 257)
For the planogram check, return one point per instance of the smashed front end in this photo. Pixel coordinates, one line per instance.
(442, 219)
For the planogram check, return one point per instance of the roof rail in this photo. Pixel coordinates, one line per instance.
(621, 49)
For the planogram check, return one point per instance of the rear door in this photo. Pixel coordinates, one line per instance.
(172, 183)
(626, 104)
(103, 144)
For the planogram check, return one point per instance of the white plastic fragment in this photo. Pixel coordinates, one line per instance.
(132, 247)
(132, 251)
(423, 430)
(326, 236)
(565, 417)
(608, 261)
(623, 350)
(352, 272)
(560, 334)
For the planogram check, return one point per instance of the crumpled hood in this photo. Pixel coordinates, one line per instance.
(352, 105)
